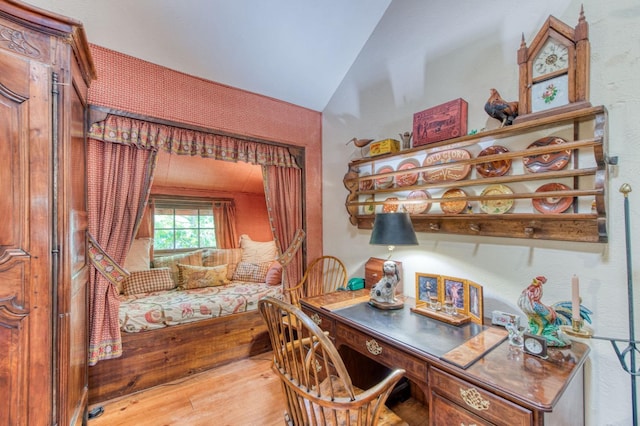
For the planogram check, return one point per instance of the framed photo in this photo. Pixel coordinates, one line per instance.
(476, 305)
(454, 288)
(428, 285)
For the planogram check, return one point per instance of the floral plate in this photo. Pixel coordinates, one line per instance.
(496, 206)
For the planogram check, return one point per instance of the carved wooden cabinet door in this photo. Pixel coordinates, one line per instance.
(45, 69)
(25, 311)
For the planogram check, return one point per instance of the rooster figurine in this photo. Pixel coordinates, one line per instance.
(545, 320)
(500, 109)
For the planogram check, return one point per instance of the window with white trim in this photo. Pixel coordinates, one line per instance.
(181, 225)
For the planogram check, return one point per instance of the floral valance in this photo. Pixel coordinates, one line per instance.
(176, 140)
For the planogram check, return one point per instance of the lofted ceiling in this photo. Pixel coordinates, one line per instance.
(297, 51)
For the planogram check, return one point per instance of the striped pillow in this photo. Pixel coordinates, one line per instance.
(229, 257)
(147, 281)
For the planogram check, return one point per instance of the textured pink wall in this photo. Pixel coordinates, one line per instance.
(131, 84)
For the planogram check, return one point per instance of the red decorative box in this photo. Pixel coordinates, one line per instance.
(441, 122)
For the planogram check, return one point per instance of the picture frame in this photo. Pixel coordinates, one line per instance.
(475, 302)
(426, 285)
(455, 288)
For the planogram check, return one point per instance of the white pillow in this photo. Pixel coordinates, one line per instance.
(138, 258)
(257, 251)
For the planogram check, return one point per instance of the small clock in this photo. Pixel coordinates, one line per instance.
(535, 345)
(554, 69)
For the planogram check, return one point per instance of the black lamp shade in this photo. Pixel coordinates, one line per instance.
(393, 229)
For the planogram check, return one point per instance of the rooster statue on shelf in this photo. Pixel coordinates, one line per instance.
(500, 109)
(545, 320)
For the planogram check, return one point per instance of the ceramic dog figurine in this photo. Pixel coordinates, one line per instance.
(384, 291)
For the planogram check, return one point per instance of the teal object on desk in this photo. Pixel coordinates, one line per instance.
(354, 284)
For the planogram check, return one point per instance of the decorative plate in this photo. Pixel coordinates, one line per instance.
(418, 208)
(390, 207)
(369, 208)
(453, 207)
(409, 178)
(366, 185)
(496, 206)
(552, 204)
(549, 161)
(386, 181)
(447, 173)
(496, 167)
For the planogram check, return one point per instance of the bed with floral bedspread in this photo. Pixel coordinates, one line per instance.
(158, 309)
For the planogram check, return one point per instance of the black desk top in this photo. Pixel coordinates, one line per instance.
(425, 334)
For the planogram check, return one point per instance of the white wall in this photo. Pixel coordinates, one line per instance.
(410, 63)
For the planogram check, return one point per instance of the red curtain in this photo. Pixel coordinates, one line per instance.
(283, 192)
(119, 180)
(224, 216)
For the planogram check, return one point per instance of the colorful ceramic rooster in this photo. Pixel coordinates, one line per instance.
(544, 320)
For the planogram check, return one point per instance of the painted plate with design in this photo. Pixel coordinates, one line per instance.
(390, 207)
(418, 207)
(551, 205)
(549, 161)
(369, 208)
(496, 167)
(453, 207)
(449, 170)
(409, 178)
(366, 185)
(496, 206)
(386, 181)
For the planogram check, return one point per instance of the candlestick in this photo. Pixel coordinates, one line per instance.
(575, 299)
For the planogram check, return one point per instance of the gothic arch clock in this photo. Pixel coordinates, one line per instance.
(554, 69)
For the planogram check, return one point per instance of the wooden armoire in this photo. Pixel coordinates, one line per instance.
(45, 72)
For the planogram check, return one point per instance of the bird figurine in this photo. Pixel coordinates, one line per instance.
(360, 143)
(545, 320)
(500, 109)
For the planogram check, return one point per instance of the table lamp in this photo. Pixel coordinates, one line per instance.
(390, 229)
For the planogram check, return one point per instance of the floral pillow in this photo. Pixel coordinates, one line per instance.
(147, 281)
(251, 272)
(202, 276)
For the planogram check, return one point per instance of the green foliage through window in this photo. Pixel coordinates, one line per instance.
(187, 226)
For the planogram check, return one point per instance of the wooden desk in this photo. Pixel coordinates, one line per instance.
(503, 387)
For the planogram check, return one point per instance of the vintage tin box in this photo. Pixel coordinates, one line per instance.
(441, 122)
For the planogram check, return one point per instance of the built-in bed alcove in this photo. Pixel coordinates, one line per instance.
(155, 357)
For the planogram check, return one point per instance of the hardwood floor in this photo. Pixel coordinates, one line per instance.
(245, 393)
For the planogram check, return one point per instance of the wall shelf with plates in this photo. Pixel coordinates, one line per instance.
(544, 178)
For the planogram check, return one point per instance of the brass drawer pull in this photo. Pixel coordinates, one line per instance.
(474, 400)
(316, 318)
(374, 347)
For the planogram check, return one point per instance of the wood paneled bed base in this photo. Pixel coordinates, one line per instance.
(159, 356)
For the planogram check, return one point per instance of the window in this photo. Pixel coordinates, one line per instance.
(181, 225)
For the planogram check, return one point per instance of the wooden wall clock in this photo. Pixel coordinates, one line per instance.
(554, 69)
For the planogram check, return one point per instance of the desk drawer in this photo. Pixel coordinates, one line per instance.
(381, 352)
(476, 400)
(324, 322)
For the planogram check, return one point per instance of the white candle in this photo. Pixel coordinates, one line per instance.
(575, 298)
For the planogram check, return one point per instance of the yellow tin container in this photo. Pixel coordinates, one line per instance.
(385, 146)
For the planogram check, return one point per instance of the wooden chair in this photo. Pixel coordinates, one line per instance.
(315, 382)
(324, 275)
